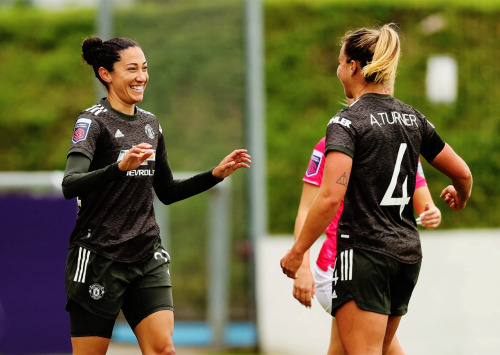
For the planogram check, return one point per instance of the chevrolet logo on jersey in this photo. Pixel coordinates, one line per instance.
(151, 158)
(141, 172)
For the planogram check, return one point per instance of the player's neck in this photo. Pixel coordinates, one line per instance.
(367, 88)
(120, 106)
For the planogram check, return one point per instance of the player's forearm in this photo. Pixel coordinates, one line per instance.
(78, 181)
(463, 185)
(170, 190)
(299, 223)
(317, 220)
(421, 198)
(453, 166)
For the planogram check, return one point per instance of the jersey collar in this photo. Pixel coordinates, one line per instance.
(104, 102)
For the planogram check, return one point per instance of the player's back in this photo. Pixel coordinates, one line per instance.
(383, 136)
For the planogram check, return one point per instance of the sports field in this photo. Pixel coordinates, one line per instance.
(116, 348)
(127, 349)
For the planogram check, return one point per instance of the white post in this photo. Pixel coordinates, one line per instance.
(219, 213)
(104, 26)
(255, 122)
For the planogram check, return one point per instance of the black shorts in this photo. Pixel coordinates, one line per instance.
(97, 288)
(376, 282)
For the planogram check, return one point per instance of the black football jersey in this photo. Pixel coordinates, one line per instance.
(384, 137)
(117, 220)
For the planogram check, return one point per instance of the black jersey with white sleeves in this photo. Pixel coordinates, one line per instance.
(116, 218)
(384, 137)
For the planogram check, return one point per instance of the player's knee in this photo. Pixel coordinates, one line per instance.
(166, 349)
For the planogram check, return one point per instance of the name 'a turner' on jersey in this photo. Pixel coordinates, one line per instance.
(382, 118)
(375, 126)
(393, 117)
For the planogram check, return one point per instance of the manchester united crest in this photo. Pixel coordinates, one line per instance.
(96, 291)
(149, 131)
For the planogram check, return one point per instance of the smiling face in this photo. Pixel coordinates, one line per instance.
(128, 80)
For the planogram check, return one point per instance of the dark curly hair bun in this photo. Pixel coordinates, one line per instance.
(89, 49)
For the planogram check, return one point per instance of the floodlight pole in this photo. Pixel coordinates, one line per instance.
(105, 19)
(255, 107)
(255, 124)
(104, 26)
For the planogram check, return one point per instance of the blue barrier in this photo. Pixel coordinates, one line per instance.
(237, 334)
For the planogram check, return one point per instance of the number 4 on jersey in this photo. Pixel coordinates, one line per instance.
(388, 200)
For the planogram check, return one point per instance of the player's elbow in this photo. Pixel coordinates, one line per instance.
(67, 188)
(463, 180)
(165, 200)
(462, 174)
(332, 200)
(467, 176)
(67, 193)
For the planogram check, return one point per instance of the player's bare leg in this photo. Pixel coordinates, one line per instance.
(391, 342)
(335, 347)
(362, 332)
(89, 345)
(154, 333)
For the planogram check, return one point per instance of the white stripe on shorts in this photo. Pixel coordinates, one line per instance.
(346, 258)
(81, 268)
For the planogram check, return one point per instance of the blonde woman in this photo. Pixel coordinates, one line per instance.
(372, 150)
(318, 281)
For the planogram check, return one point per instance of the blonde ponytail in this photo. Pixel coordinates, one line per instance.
(385, 59)
(378, 52)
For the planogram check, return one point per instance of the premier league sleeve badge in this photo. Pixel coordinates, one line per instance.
(81, 130)
(314, 163)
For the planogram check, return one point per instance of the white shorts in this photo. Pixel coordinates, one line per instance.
(323, 282)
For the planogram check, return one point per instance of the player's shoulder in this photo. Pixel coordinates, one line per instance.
(320, 146)
(89, 119)
(94, 111)
(345, 117)
(404, 107)
(145, 114)
(150, 120)
(352, 110)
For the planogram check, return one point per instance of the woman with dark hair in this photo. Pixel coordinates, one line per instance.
(116, 160)
(372, 149)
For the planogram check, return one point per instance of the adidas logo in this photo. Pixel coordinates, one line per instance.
(118, 134)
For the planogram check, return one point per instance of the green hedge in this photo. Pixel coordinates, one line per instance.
(196, 55)
(45, 86)
(303, 93)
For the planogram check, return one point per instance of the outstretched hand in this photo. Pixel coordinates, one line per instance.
(237, 159)
(135, 157)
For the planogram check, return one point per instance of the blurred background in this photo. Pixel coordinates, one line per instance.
(197, 52)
